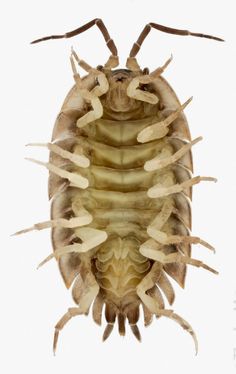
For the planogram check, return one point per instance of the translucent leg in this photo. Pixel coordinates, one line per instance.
(165, 239)
(160, 162)
(134, 92)
(93, 114)
(78, 160)
(153, 250)
(72, 312)
(90, 237)
(160, 129)
(75, 178)
(148, 282)
(83, 218)
(102, 86)
(84, 65)
(89, 96)
(90, 293)
(163, 216)
(159, 191)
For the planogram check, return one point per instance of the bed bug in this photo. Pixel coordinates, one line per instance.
(120, 180)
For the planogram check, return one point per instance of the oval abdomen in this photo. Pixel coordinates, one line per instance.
(117, 200)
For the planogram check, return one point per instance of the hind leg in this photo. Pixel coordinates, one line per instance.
(148, 282)
(155, 251)
(89, 294)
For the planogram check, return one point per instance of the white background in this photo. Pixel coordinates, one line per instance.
(34, 82)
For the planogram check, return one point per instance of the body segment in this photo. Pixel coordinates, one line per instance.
(118, 201)
(120, 181)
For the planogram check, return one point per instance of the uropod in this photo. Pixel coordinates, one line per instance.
(120, 182)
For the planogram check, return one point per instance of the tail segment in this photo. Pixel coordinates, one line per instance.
(132, 315)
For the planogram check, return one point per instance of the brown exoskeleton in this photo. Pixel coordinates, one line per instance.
(120, 183)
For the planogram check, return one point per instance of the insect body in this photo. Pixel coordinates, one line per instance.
(120, 182)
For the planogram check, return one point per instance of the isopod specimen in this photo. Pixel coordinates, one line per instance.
(120, 182)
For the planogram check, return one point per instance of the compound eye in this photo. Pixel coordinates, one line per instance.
(145, 71)
(99, 68)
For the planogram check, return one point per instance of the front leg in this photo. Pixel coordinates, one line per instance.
(135, 92)
(92, 97)
(95, 113)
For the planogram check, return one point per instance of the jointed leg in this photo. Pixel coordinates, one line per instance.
(178, 257)
(161, 161)
(99, 75)
(90, 96)
(91, 291)
(72, 312)
(160, 129)
(75, 179)
(134, 92)
(83, 218)
(160, 191)
(93, 114)
(167, 239)
(163, 216)
(78, 159)
(148, 282)
(90, 238)
(153, 250)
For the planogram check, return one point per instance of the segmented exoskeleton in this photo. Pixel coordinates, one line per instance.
(120, 183)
